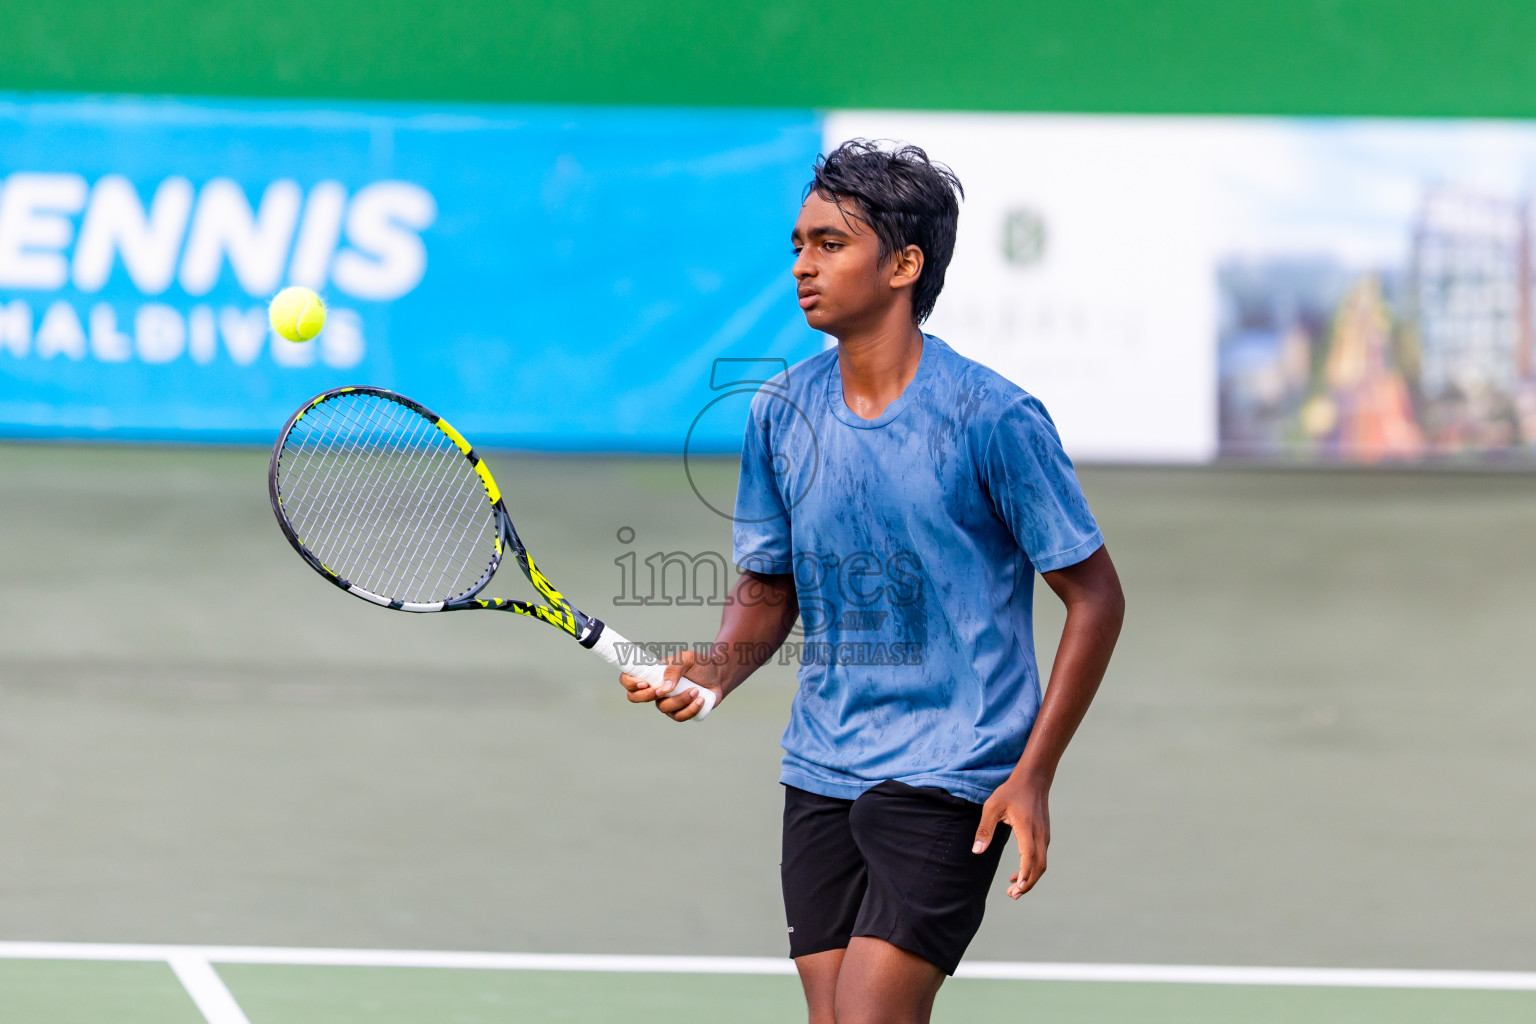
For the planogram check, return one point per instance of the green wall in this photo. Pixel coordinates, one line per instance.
(1388, 57)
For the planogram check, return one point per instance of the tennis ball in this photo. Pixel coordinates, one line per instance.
(297, 314)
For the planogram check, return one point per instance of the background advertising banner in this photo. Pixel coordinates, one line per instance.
(548, 278)
(1082, 271)
(1175, 289)
(1258, 288)
(1375, 287)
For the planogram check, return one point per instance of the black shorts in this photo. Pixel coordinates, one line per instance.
(895, 864)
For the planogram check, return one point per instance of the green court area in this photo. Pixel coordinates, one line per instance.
(1312, 750)
(64, 992)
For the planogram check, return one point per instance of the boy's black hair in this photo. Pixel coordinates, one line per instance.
(905, 198)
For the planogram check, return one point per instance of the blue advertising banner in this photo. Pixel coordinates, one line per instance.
(546, 278)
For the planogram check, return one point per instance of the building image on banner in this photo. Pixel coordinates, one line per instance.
(1376, 306)
(1179, 289)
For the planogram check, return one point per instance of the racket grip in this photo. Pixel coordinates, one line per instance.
(635, 660)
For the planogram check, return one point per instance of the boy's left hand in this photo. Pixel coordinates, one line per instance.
(1023, 805)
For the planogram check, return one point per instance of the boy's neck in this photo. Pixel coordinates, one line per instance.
(876, 366)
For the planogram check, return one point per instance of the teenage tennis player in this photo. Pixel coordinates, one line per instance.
(898, 498)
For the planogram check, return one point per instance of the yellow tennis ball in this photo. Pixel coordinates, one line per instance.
(297, 313)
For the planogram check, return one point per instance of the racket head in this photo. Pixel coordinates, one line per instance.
(382, 497)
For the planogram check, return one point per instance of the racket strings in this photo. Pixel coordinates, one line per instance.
(331, 444)
(466, 504)
(337, 441)
(327, 445)
(389, 539)
(372, 537)
(386, 500)
(425, 560)
(435, 559)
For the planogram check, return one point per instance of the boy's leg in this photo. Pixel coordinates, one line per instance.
(824, 881)
(879, 983)
(818, 976)
(882, 895)
(924, 901)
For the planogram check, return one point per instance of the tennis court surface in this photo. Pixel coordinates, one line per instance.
(1312, 752)
(131, 984)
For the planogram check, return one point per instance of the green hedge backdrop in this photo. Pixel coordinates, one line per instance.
(1365, 57)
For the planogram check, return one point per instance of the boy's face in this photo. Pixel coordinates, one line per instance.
(843, 283)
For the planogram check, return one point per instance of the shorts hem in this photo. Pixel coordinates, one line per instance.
(902, 939)
(821, 946)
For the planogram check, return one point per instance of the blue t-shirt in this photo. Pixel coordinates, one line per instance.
(914, 539)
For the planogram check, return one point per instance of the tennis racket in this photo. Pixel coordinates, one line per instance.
(387, 501)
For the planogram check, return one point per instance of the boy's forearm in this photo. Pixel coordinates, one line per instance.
(757, 619)
(1095, 610)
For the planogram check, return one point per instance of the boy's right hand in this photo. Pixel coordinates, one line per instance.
(679, 703)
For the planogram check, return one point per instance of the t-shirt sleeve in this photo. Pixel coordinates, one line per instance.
(1035, 490)
(761, 529)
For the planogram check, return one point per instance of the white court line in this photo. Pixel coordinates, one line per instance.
(207, 989)
(1330, 977)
